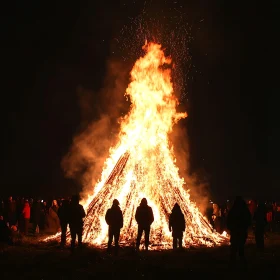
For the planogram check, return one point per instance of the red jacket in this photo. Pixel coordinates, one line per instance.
(26, 211)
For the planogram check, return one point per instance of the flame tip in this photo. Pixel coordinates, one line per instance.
(142, 164)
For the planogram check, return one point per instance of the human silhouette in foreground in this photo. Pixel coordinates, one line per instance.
(239, 219)
(144, 217)
(63, 214)
(177, 225)
(5, 233)
(76, 223)
(114, 219)
(260, 224)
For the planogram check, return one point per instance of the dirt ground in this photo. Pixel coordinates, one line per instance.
(31, 259)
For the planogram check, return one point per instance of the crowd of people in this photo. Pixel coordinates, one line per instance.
(19, 213)
(16, 215)
(240, 216)
(144, 217)
(217, 214)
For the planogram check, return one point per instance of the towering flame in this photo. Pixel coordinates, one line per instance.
(143, 164)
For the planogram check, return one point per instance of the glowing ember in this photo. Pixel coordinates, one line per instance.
(224, 234)
(143, 164)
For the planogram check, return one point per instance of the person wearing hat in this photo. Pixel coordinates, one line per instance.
(114, 219)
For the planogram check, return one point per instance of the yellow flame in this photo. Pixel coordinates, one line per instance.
(143, 163)
(225, 234)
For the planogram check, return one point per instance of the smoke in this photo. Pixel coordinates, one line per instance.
(88, 152)
(100, 112)
(196, 182)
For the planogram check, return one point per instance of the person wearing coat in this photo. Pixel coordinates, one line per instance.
(177, 225)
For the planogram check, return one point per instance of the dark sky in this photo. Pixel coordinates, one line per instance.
(50, 50)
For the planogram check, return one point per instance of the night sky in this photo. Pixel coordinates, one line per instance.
(52, 50)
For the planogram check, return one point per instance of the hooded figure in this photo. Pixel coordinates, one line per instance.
(114, 219)
(76, 223)
(238, 221)
(177, 225)
(144, 217)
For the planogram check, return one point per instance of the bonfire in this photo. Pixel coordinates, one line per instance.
(142, 164)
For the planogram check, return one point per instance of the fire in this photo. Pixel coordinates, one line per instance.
(143, 164)
(225, 234)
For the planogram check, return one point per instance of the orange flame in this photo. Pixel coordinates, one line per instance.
(147, 166)
(143, 163)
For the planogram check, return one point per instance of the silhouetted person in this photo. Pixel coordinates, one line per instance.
(36, 214)
(114, 218)
(26, 216)
(177, 225)
(269, 216)
(20, 207)
(53, 224)
(43, 216)
(4, 231)
(144, 217)
(252, 207)
(260, 224)
(11, 216)
(239, 219)
(76, 215)
(63, 214)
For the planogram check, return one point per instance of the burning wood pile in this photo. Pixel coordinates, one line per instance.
(143, 164)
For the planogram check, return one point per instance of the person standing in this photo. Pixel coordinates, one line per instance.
(177, 225)
(52, 218)
(114, 219)
(144, 217)
(76, 223)
(238, 222)
(11, 216)
(63, 214)
(26, 216)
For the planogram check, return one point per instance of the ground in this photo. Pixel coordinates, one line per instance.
(30, 259)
